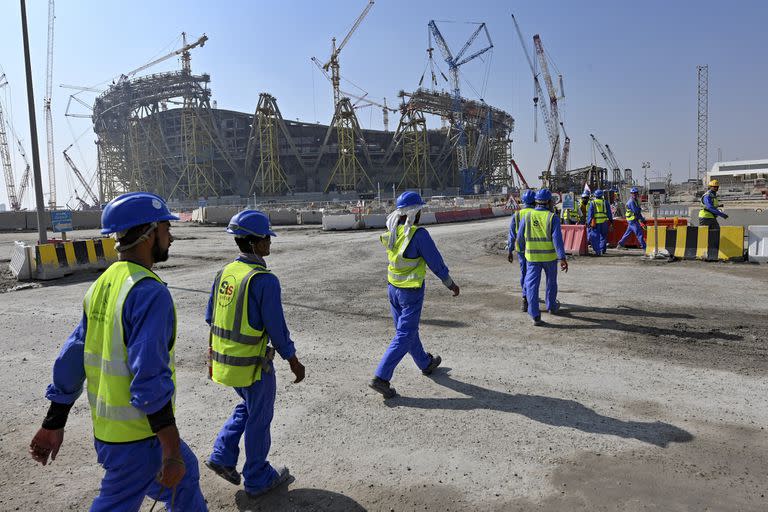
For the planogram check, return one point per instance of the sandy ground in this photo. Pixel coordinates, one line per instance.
(647, 394)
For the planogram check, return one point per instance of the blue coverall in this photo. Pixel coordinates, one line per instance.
(511, 247)
(131, 468)
(253, 415)
(598, 236)
(633, 226)
(709, 205)
(406, 304)
(533, 273)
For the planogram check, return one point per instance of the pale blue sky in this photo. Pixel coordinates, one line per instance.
(629, 67)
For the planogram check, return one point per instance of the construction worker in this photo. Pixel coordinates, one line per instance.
(528, 199)
(124, 349)
(245, 314)
(598, 216)
(569, 216)
(710, 207)
(541, 240)
(410, 250)
(635, 219)
(583, 207)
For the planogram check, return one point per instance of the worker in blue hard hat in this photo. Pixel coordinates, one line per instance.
(541, 240)
(635, 219)
(599, 216)
(528, 198)
(124, 351)
(245, 313)
(410, 250)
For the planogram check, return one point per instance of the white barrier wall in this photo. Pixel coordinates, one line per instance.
(758, 244)
(339, 222)
(283, 217)
(375, 220)
(427, 218)
(311, 217)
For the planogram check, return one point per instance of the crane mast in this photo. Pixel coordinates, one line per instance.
(25, 177)
(554, 113)
(5, 159)
(47, 109)
(80, 178)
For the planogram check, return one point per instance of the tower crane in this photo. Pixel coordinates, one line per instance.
(5, 158)
(554, 111)
(566, 146)
(468, 174)
(26, 175)
(47, 109)
(184, 51)
(614, 166)
(88, 190)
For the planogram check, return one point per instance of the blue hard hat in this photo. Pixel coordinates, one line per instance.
(543, 196)
(598, 194)
(585, 194)
(407, 199)
(633, 190)
(250, 222)
(134, 209)
(528, 197)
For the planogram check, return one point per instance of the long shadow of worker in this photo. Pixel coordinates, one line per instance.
(625, 311)
(557, 412)
(298, 500)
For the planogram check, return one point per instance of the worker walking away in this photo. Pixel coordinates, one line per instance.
(410, 250)
(541, 241)
(598, 218)
(583, 207)
(123, 349)
(245, 313)
(710, 207)
(528, 199)
(635, 220)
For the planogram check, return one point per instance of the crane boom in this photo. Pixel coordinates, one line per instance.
(25, 177)
(200, 42)
(5, 160)
(80, 178)
(554, 114)
(354, 27)
(47, 109)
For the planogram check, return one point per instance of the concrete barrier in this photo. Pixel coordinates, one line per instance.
(699, 243)
(86, 219)
(283, 217)
(339, 222)
(500, 211)
(54, 260)
(757, 248)
(310, 217)
(375, 220)
(13, 221)
(427, 218)
(197, 215)
(219, 214)
(31, 220)
(737, 216)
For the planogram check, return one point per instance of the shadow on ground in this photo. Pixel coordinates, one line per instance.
(557, 412)
(298, 500)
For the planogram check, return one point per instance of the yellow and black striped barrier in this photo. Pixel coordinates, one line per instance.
(699, 243)
(58, 259)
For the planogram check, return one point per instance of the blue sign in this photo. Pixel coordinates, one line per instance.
(568, 201)
(61, 220)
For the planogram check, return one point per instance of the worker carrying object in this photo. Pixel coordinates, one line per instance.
(246, 315)
(599, 215)
(710, 207)
(123, 349)
(541, 240)
(583, 207)
(410, 250)
(528, 199)
(569, 216)
(635, 219)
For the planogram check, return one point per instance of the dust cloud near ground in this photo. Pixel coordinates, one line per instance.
(648, 393)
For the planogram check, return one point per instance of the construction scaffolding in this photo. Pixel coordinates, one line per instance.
(270, 178)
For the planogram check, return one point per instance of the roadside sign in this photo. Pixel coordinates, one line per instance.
(568, 201)
(656, 200)
(61, 221)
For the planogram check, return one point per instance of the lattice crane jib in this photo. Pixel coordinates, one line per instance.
(5, 161)
(554, 113)
(702, 122)
(47, 109)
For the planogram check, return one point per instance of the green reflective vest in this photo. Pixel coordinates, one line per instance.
(105, 356)
(403, 272)
(237, 350)
(516, 217)
(704, 213)
(599, 212)
(630, 215)
(539, 246)
(569, 215)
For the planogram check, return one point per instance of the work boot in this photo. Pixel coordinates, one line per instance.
(537, 321)
(434, 362)
(282, 476)
(382, 386)
(524, 305)
(556, 309)
(228, 473)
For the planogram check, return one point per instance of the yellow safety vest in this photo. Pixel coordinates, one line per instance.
(599, 214)
(403, 272)
(238, 351)
(517, 216)
(569, 215)
(539, 246)
(105, 356)
(706, 214)
(629, 214)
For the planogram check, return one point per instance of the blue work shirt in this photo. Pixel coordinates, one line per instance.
(148, 323)
(422, 246)
(591, 211)
(265, 308)
(514, 228)
(634, 206)
(557, 235)
(709, 205)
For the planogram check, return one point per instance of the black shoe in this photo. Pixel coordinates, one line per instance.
(524, 305)
(556, 310)
(538, 322)
(229, 474)
(434, 362)
(283, 475)
(382, 386)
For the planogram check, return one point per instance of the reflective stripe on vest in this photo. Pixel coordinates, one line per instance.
(539, 246)
(598, 214)
(704, 213)
(403, 272)
(237, 349)
(105, 357)
(630, 214)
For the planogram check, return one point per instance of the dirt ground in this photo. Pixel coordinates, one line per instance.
(647, 394)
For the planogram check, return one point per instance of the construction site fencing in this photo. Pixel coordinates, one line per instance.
(698, 243)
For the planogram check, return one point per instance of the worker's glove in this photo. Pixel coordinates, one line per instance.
(511, 257)
(297, 368)
(455, 289)
(725, 215)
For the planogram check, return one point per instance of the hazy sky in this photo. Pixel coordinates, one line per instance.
(629, 67)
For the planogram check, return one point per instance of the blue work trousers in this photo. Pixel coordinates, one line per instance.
(598, 237)
(521, 259)
(251, 417)
(405, 304)
(131, 474)
(532, 281)
(633, 226)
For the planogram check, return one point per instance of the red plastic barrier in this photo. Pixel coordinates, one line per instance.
(486, 213)
(473, 214)
(443, 217)
(620, 226)
(575, 238)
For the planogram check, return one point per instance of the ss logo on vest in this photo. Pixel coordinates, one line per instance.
(226, 290)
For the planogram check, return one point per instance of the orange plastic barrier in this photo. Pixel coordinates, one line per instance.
(575, 238)
(486, 213)
(620, 226)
